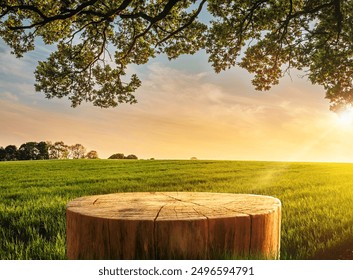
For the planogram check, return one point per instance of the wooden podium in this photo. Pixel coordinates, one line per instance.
(173, 225)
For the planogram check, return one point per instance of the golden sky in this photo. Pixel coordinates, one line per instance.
(184, 110)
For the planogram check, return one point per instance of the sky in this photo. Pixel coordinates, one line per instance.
(184, 110)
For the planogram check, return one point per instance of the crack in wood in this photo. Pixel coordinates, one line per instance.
(205, 206)
(186, 201)
(154, 238)
(237, 211)
(172, 197)
(159, 211)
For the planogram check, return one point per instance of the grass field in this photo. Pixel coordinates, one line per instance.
(317, 198)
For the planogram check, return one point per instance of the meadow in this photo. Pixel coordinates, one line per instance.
(317, 198)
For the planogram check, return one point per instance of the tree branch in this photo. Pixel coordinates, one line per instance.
(339, 17)
(190, 21)
(153, 20)
(68, 13)
(30, 8)
(314, 10)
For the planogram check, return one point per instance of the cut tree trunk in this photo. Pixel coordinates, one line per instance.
(173, 225)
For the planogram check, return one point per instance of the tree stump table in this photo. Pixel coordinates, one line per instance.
(173, 225)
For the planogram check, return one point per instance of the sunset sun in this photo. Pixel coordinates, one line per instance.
(346, 116)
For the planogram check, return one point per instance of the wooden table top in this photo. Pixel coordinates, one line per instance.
(170, 206)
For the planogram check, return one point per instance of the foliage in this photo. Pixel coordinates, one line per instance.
(117, 156)
(77, 151)
(316, 198)
(28, 151)
(10, 152)
(45, 150)
(2, 154)
(58, 150)
(122, 156)
(266, 37)
(131, 157)
(92, 155)
(33, 151)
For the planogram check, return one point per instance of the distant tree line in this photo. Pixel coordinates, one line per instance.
(45, 150)
(122, 156)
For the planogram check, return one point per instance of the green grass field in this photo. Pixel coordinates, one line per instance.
(317, 198)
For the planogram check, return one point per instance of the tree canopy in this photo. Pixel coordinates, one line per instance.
(122, 156)
(97, 39)
(45, 150)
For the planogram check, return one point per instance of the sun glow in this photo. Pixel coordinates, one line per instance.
(346, 116)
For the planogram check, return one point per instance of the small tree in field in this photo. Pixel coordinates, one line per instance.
(77, 151)
(28, 151)
(2, 154)
(11, 152)
(131, 157)
(58, 150)
(43, 150)
(117, 156)
(92, 155)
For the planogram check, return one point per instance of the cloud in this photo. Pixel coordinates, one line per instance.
(9, 96)
(14, 69)
(3, 46)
